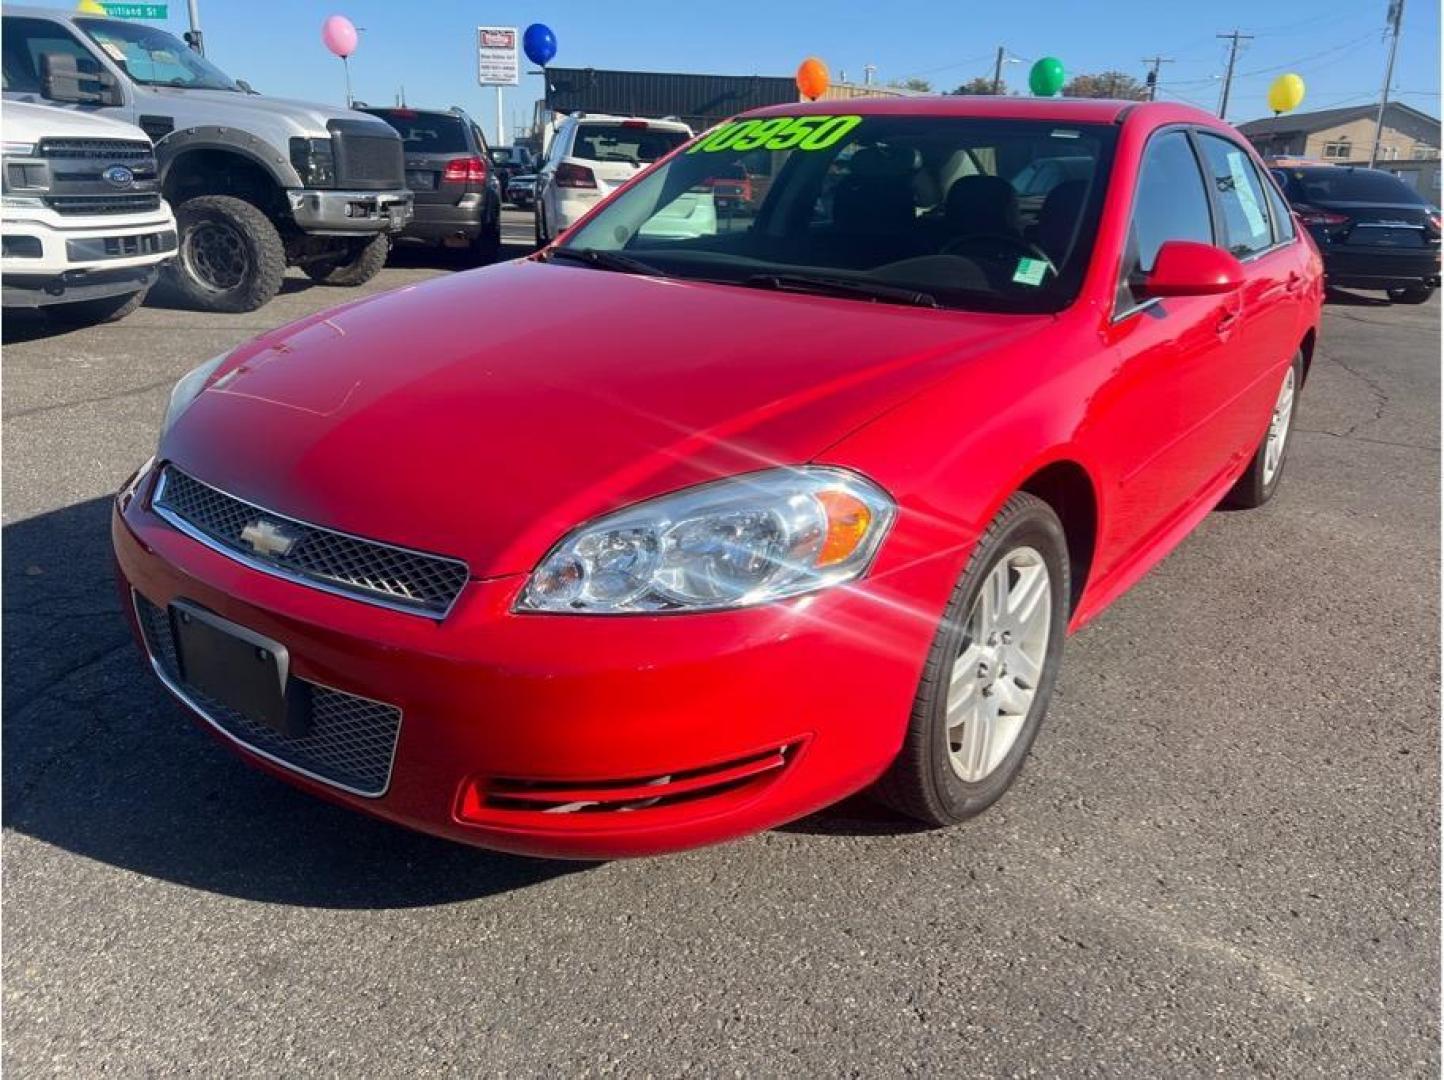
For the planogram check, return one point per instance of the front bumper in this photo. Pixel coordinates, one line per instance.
(30, 291)
(498, 707)
(46, 250)
(348, 213)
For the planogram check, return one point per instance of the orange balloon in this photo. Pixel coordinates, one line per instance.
(812, 78)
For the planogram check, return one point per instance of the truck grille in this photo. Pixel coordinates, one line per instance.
(351, 740)
(113, 150)
(368, 570)
(103, 204)
(366, 159)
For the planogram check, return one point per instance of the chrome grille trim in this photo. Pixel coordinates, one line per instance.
(454, 572)
(159, 644)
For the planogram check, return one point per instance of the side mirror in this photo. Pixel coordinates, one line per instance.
(1187, 268)
(246, 87)
(61, 79)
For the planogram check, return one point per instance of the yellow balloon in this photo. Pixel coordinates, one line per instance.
(1286, 93)
(89, 7)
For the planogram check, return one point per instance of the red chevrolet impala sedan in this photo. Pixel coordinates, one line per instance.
(706, 517)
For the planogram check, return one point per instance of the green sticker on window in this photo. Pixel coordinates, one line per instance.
(1030, 271)
(777, 133)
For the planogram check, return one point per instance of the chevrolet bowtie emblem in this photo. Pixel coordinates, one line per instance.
(268, 538)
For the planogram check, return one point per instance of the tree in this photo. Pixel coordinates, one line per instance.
(922, 86)
(981, 85)
(1108, 84)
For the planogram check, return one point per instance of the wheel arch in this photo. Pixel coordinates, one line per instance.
(1306, 347)
(203, 161)
(1068, 489)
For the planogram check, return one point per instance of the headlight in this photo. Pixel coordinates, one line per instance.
(17, 149)
(728, 544)
(314, 161)
(188, 389)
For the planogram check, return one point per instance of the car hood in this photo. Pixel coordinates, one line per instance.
(484, 414)
(245, 111)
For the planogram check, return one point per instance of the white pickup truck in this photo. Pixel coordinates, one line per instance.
(82, 221)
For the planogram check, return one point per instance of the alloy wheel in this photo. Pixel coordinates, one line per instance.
(1279, 428)
(996, 675)
(215, 255)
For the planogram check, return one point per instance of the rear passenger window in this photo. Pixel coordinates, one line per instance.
(1240, 196)
(1170, 203)
(1283, 217)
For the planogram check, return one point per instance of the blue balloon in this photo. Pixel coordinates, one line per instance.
(540, 43)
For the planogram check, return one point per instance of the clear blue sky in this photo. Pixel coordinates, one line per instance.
(429, 45)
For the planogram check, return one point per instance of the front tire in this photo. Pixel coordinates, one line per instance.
(355, 262)
(94, 312)
(1261, 479)
(230, 256)
(990, 672)
(1411, 294)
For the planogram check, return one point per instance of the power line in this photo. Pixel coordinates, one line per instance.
(1235, 37)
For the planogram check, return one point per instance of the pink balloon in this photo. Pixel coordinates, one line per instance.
(338, 34)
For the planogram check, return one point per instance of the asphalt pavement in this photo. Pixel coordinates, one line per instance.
(1223, 857)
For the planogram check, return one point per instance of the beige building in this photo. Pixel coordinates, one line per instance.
(1347, 135)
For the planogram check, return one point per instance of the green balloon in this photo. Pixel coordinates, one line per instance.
(1046, 78)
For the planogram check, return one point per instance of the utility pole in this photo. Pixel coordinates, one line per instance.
(1236, 37)
(998, 72)
(193, 35)
(1396, 16)
(1152, 80)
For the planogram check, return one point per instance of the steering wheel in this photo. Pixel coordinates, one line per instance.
(1016, 243)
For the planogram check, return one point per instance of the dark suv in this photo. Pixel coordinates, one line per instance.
(1375, 232)
(449, 171)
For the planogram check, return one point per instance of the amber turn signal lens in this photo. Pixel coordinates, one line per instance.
(848, 519)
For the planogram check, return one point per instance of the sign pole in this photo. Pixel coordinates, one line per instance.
(500, 132)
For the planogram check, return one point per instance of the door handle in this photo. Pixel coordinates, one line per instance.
(1227, 320)
(1296, 281)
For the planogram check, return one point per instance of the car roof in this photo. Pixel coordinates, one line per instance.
(1067, 110)
(418, 110)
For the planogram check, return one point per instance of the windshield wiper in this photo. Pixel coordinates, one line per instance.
(605, 260)
(828, 286)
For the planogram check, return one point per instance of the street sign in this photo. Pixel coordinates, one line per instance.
(134, 11)
(496, 56)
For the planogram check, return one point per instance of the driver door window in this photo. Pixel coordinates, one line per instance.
(1170, 203)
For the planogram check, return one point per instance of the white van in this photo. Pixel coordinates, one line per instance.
(84, 227)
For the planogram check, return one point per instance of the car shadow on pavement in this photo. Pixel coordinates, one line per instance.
(1341, 298)
(99, 761)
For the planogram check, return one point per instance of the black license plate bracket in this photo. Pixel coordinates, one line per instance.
(239, 669)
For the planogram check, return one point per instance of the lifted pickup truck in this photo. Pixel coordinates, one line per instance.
(257, 183)
(84, 228)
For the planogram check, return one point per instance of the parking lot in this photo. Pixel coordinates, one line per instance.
(1223, 856)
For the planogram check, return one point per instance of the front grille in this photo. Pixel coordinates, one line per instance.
(350, 742)
(119, 247)
(103, 204)
(364, 160)
(112, 150)
(366, 569)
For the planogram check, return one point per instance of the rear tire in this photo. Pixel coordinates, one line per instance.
(94, 312)
(945, 773)
(487, 246)
(230, 256)
(355, 263)
(1411, 294)
(1261, 479)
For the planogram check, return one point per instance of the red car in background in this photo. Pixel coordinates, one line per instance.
(756, 519)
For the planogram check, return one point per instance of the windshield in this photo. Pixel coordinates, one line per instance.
(955, 209)
(1349, 185)
(153, 57)
(635, 144)
(426, 133)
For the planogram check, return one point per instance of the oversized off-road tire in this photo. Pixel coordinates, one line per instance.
(230, 256)
(94, 312)
(990, 671)
(1261, 479)
(355, 263)
(1411, 294)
